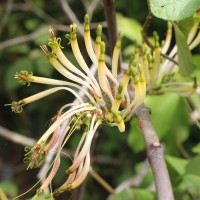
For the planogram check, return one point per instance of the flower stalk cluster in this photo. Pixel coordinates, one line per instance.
(108, 100)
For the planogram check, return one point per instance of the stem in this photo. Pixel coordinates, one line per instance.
(146, 26)
(155, 155)
(109, 10)
(101, 181)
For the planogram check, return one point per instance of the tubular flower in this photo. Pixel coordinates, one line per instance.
(107, 100)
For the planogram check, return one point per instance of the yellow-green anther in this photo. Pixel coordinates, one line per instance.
(134, 62)
(129, 71)
(136, 79)
(120, 87)
(103, 47)
(142, 77)
(102, 55)
(131, 60)
(118, 96)
(156, 38)
(136, 53)
(150, 61)
(133, 71)
(119, 41)
(136, 50)
(99, 31)
(140, 68)
(86, 23)
(169, 26)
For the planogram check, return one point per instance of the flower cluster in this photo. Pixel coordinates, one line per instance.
(107, 100)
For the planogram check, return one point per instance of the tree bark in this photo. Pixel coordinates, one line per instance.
(155, 155)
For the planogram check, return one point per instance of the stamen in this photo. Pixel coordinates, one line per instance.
(115, 56)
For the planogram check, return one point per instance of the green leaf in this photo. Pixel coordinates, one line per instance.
(133, 194)
(193, 184)
(196, 60)
(170, 118)
(186, 65)
(174, 10)
(196, 149)
(193, 166)
(178, 164)
(9, 188)
(186, 25)
(135, 138)
(130, 27)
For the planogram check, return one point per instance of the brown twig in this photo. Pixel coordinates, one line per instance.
(109, 10)
(101, 181)
(22, 39)
(16, 138)
(155, 155)
(146, 26)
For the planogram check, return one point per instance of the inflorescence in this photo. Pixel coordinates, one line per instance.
(108, 100)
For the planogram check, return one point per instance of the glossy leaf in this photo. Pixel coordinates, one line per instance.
(177, 164)
(186, 65)
(193, 166)
(170, 119)
(193, 184)
(130, 27)
(196, 149)
(174, 10)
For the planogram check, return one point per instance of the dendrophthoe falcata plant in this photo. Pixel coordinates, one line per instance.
(109, 98)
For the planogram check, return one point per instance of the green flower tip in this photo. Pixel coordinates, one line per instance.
(24, 77)
(120, 87)
(169, 25)
(119, 41)
(129, 70)
(16, 107)
(86, 23)
(102, 55)
(99, 30)
(103, 47)
(156, 38)
(133, 71)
